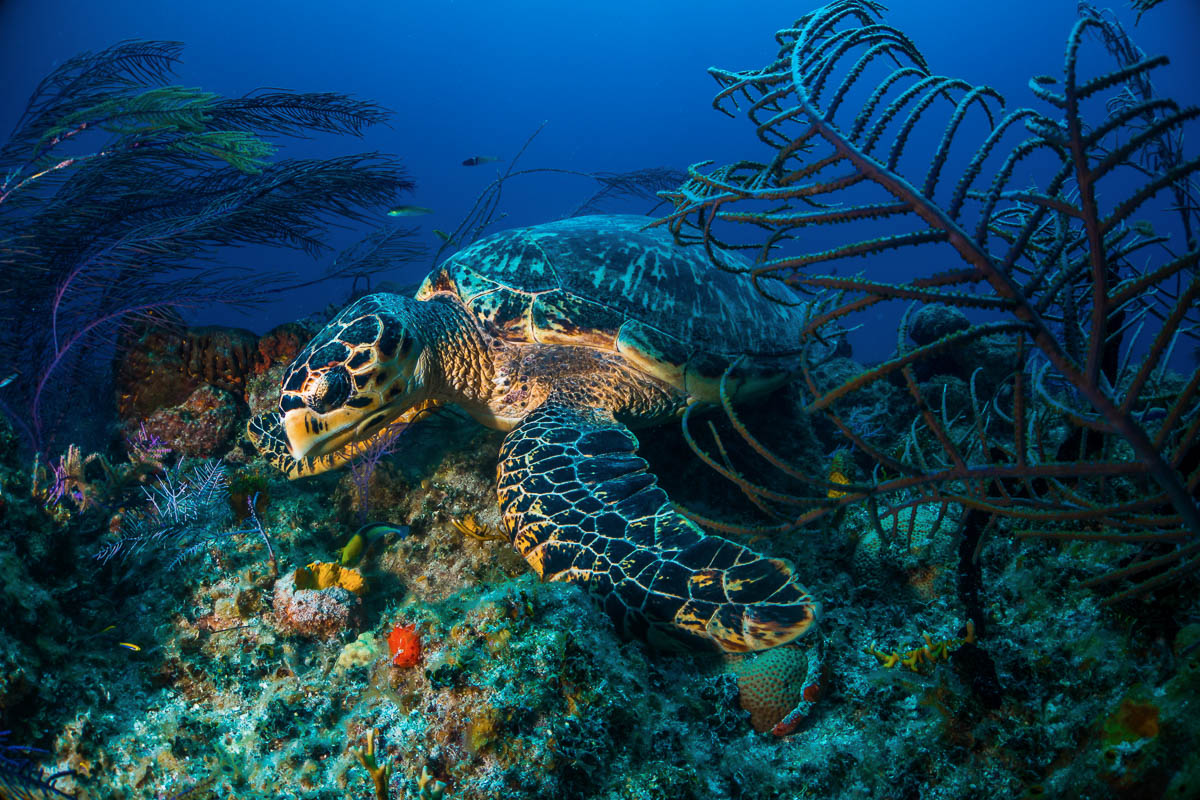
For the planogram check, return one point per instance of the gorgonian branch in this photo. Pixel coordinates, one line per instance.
(1037, 222)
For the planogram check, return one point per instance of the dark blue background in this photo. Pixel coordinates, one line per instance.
(622, 84)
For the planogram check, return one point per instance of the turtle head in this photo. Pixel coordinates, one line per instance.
(362, 372)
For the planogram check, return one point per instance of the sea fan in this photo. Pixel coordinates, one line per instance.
(366, 460)
(116, 191)
(1142, 6)
(1096, 424)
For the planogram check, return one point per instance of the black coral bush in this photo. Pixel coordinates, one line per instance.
(186, 510)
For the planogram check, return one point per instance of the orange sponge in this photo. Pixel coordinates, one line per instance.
(405, 645)
(773, 684)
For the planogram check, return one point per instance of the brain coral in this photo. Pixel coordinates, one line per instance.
(359, 653)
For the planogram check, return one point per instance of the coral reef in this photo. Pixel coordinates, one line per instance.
(955, 661)
(320, 600)
(202, 426)
(523, 689)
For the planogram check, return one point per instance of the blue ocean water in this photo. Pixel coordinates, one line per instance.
(620, 86)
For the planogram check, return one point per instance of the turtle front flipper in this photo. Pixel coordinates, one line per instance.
(581, 506)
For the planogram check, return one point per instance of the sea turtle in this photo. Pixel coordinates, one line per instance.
(567, 335)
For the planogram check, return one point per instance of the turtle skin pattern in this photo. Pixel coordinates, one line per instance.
(266, 434)
(582, 507)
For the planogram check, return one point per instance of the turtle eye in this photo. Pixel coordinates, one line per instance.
(330, 391)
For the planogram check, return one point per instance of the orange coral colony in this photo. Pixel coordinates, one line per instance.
(405, 645)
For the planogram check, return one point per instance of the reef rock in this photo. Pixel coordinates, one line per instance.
(276, 349)
(771, 684)
(281, 344)
(305, 607)
(202, 426)
(935, 322)
(159, 367)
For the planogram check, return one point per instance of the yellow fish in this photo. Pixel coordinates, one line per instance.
(366, 536)
(409, 211)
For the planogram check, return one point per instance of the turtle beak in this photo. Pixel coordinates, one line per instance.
(296, 427)
(308, 435)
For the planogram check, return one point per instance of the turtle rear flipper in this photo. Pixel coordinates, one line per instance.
(581, 506)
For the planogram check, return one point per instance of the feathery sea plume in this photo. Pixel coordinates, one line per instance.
(640, 184)
(118, 190)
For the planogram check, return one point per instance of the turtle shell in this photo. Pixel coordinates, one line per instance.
(608, 283)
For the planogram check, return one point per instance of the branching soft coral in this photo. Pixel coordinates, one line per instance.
(115, 191)
(20, 776)
(1091, 418)
(380, 773)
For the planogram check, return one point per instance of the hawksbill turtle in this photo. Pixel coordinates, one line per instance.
(567, 335)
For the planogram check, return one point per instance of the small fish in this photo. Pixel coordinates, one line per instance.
(129, 645)
(445, 237)
(353, 550)
(475, 161)
(409, 211)
(9, 379)
(841, 466)
(1143, 227)
(374, 530)
(365, 537)
(99, 633)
